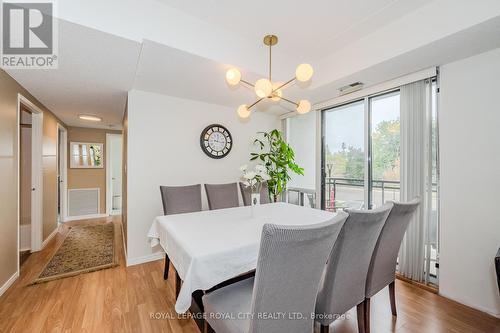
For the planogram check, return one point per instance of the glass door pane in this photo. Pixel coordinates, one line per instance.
(344, 157)
(385, 149)
(432, 248)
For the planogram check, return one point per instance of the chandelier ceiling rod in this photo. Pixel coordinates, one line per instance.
(270, 61)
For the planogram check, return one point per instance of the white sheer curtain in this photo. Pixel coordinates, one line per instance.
(416, 174)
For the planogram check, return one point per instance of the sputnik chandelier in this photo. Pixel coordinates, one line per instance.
(265, 89)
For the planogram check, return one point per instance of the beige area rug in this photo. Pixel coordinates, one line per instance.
(85, 249)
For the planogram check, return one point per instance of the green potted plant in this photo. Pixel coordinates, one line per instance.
(278, 158)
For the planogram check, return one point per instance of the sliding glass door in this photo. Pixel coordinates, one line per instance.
(385, 159)
(344, 157)
(354, 176)
(361, 161)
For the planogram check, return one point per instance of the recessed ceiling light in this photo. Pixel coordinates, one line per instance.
(89, 117)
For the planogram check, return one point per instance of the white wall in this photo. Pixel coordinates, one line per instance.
(164, 149)
(301, 135)
(469, 134)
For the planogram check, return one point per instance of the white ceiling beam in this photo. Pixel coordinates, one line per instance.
(154, 21)
(430, 23)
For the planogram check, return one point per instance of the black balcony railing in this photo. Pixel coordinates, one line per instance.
(353, 189)
(344, 192)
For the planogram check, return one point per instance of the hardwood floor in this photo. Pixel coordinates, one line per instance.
(137, 299)
(120, 299)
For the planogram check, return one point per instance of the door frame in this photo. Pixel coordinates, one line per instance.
(62, 171)
(36, 173)
(109, 180)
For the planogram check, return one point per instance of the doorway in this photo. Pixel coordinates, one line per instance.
(25, 185)
(30, 179)
(62, 163)
(113, 174)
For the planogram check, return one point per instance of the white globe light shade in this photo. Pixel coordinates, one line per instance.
(263, 88)
(233, 76)
(304, 72)
(276, 93)
(304, 106)
(243, 111)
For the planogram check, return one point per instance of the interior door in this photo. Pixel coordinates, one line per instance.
(116, 172)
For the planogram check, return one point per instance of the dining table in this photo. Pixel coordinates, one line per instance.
(210, 247)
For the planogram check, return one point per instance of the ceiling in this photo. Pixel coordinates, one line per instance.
(309, 29)
(103, 54)
(96, 70)
(190, 76)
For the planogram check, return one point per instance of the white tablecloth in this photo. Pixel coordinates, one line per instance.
(210, 247)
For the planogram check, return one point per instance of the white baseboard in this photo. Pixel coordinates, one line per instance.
(25, 237)
(116, 212)
(8, 283)
(489, 311)
(124, 243)
(47, 240)
(145, 259)
(84, 217)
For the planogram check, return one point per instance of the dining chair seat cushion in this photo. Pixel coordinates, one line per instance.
(228, 309)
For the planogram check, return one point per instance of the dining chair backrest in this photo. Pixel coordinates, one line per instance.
(383, 262)
(181, 199)
(246, 194)
(497, 268)
(222, 195)
(343, 285)
(289, 267)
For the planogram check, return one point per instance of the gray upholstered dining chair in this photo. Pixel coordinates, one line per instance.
(497, 268)
(382, 270)
(181, 199)
(289, 267)
(222, 195)
(344, 279)
(246, 194)
(177, 200)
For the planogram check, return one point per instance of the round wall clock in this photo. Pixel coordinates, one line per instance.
(216, 141)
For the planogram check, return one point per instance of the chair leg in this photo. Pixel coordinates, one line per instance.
(198, 299)
(367, 315)
(167, 265)
(360, 311)
(324, 329)
(178, 283)
(392, 297)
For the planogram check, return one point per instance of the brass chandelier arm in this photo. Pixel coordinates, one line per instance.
(265, 88)
(289, 101)
(254, 103)
(284, 84)
(247, 83)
